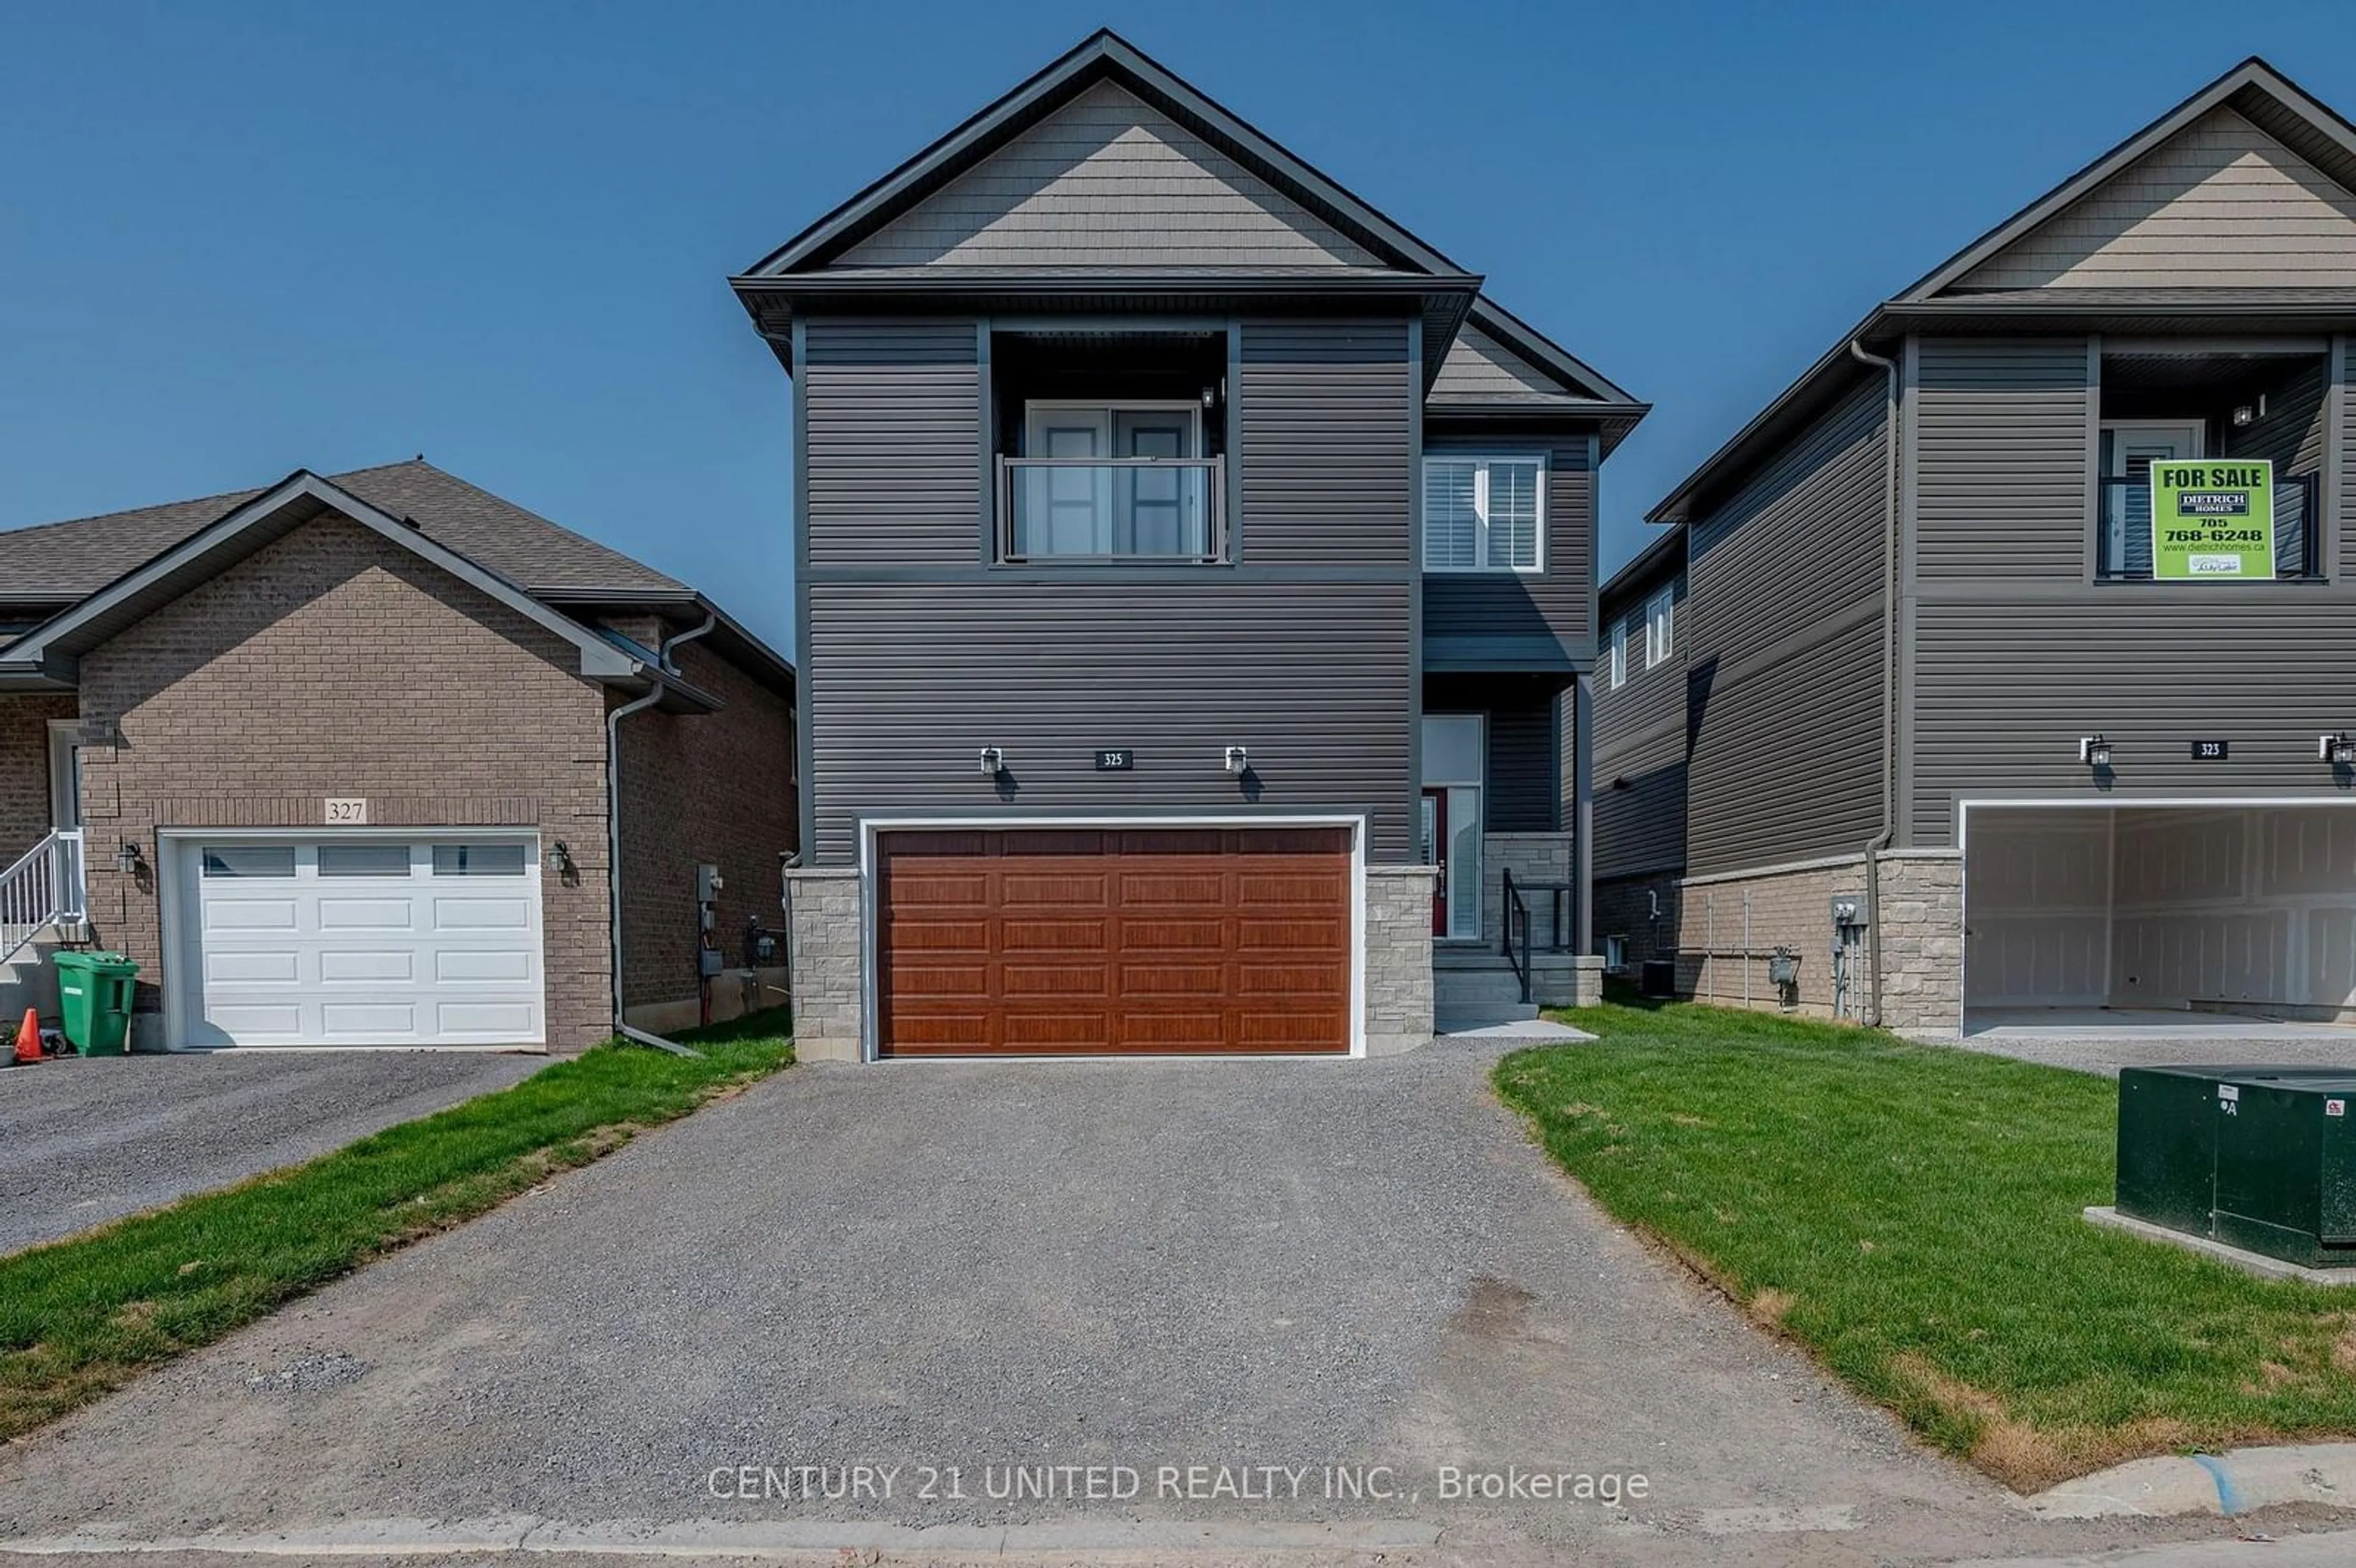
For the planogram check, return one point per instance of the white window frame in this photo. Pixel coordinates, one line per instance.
(1616, 676)
(1481, 461)
(1660, 626)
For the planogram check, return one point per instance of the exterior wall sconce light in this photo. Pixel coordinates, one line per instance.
(993, 762)
(2093, 751)
(1238, 760)
(128, 858)
(2337, 750)
(559, 858)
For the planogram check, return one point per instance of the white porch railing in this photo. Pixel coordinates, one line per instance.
(44, 886)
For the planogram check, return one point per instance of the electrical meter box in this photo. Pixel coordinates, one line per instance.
(2258, 1158)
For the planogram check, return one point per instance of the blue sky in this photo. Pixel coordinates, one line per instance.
(241, 238)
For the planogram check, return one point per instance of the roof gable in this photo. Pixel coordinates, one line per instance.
(49, 649)
(1480, 369)
(2252, 149)
(1108, 180)
(2221, 204)
(56, 563)
(1281, 194)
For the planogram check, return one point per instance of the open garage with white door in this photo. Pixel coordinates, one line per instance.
(359, 939)
(2217, 907)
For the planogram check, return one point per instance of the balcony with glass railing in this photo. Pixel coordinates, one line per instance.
(1126, 509)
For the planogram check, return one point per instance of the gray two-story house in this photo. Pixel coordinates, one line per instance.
(2019, 633)
(1194, 575)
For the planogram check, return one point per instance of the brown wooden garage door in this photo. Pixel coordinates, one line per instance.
(1165, 942)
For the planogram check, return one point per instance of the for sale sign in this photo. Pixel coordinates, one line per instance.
(2213, 520)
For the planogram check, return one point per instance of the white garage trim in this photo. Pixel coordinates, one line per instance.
(870, 1045)
(181, 927)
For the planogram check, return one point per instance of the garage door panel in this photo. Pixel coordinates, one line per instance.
(1031, 890)
(371, 941)
(1172, 979)
(1290, 935)
(1173, 891)
(1146, 940)
(1030, 934)
(368, 966)
(367, 914)
(249, 915)
(1173, 936)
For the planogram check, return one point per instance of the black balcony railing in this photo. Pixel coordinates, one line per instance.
(2123, 529)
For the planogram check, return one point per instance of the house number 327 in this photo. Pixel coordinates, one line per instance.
(347, 812)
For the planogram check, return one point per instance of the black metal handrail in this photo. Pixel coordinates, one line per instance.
(2126, 508)
(1515, 906)
(1560, 937)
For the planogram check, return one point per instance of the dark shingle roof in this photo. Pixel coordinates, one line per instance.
(60, 562)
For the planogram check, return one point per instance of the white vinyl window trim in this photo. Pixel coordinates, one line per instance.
(1484, 512)
(1660, 626)
(1618, 673)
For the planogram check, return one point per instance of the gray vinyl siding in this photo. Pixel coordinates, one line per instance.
(1640, 759)
(1523, 786)
(2009, 675)
(1782, 636)
(919, 655)
(909, 681)
(1506, 614)
(2004, 457)
(893, 465)
(1107, 181)
(1327, 443)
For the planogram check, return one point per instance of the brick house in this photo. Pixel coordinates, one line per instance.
(347, 761)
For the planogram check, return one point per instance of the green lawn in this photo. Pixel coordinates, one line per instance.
(1911, 1214)
(81, 1317)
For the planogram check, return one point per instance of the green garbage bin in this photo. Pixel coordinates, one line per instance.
(94, 989)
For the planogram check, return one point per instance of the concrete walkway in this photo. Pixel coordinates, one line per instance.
(2104, 1039)
(86, 1141)
(1296, 1304)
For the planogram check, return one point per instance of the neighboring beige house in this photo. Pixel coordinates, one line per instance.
(333, 761)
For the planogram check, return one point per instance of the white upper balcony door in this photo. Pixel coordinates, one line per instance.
(2129, 448)
(1113, 508)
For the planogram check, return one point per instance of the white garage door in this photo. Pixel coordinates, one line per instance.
(361, 941)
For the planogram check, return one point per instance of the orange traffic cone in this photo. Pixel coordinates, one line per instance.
(29, 1038)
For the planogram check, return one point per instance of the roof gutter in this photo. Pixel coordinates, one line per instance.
(1873, 851)
(614, 825)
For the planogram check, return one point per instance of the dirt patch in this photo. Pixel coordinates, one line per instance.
(1768, 1306)
(2028, 1457)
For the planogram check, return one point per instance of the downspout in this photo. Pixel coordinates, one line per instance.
(614, 827)
(1873, 851)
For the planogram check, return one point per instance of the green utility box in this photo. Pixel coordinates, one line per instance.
(2258, 1158)
(94, 993)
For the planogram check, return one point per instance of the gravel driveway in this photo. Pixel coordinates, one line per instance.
(990, 1268)
(87, 1140)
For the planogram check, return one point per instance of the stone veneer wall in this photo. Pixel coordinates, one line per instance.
(823, 940)
(1922, 915)
(1398, 958)
(824, 959)
(1534, 858)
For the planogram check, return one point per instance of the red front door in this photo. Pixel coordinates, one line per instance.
(1435, 853)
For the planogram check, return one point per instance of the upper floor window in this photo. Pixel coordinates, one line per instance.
(1660, 626)
(1110, 482)
(1484, 514)
(1616, 656)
